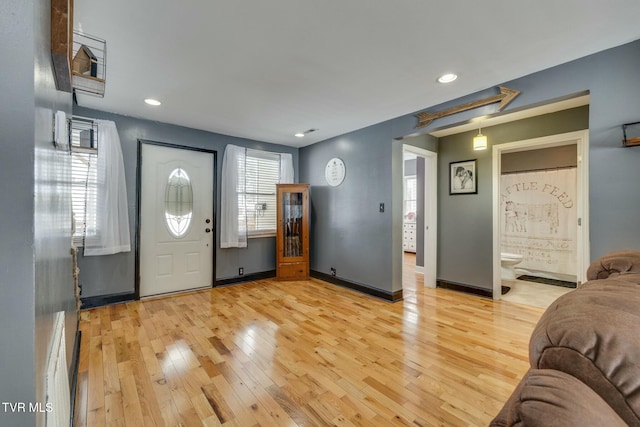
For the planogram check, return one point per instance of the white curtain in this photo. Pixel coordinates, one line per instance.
(111, 209)
(539, 219)
(233, 229)
(286, 168)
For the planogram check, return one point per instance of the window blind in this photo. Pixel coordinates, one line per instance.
(84, 176)
(410, 197)
(258, 201)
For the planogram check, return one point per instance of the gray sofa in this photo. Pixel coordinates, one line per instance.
(585, 354)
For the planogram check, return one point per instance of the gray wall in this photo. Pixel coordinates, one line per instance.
(115, 274)
(347, 229)
(465, 233)
(35, 221)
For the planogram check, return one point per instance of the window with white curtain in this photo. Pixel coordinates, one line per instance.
(261, 171)
(410, 198)
(249, 179)
(99, 194)
(84, 180)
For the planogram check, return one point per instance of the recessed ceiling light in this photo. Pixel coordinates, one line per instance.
(299, 135)
(152, 101)
(447, 78)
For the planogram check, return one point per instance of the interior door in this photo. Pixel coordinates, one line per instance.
(176, 219)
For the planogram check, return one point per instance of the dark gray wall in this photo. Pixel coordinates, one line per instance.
(114, 274)
(465, 233)
(347, 229)
(17, 305)
(35, 278)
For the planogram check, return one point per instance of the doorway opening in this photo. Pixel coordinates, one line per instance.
(419, 219)
(575, 246)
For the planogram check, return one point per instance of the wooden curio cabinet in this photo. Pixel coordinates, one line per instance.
(292, 238)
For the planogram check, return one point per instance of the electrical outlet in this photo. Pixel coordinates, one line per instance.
(333, 271)
(241, 271)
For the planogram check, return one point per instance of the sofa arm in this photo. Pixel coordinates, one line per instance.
(546, 397)
(615, 264)
(591, 333)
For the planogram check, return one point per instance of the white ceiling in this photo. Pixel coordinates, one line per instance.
(265, 70)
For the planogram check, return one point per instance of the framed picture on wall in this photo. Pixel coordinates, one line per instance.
(463, 178)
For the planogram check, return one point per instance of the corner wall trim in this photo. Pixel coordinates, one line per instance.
(387, 296)
(468, 289)
(100, 300)
(75, 363)
(246, 278)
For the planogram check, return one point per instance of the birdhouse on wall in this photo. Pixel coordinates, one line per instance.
(85, 62)
(89, 64)
(631, 132)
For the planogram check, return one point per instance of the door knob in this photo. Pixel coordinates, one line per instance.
(208, 230)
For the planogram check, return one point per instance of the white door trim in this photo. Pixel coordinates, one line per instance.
(430, 246)
(581, 138)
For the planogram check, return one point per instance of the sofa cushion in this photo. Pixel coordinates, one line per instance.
(546, 397)
(592, 334)
(614, 264)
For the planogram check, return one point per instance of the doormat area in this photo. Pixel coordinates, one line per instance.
(553, 282)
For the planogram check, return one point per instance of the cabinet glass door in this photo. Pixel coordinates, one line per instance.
(292, 224)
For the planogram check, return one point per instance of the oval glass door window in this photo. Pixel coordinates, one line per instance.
(178, 203)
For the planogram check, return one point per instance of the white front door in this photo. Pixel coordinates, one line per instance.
(176, 219)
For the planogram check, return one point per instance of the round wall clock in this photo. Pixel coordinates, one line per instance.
(334, 172)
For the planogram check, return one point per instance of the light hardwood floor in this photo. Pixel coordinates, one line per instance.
(411, 281)
(300, 353)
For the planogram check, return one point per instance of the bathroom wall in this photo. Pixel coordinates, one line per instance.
(542, 158)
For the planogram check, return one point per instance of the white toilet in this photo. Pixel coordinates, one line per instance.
(508, 262)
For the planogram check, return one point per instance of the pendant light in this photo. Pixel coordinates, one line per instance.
(480, 141)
